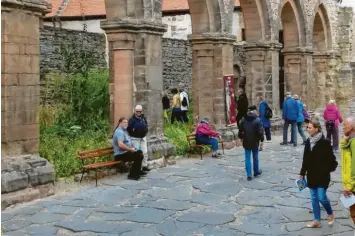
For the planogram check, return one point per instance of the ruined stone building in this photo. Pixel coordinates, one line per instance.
(303, 46)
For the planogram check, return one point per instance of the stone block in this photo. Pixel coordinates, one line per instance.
(32, 49)
(11, 48)
(31, 146)
(9, 79)
(45, 174)
(22, 132)
(12, 181)
(26, 195)
(28, 79)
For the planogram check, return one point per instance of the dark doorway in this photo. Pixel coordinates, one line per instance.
(281, 69)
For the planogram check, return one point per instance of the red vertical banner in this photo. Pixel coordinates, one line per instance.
(229, 95)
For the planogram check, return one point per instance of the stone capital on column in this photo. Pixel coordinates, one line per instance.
(35, 6)
(263, 46)
(298, 51)
(133, 26)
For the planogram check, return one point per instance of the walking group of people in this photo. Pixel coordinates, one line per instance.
(180, 105)
(319, 161)
(130, 144)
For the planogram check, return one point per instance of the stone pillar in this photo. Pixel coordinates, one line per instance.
(298, 74)
(344, 90)
(136, 76)
(263, 72)
(212, 58)
(322, 87)
(24, 173)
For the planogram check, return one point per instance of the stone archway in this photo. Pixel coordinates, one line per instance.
(261, 51)
(297, 57)
(212, 56)
(323, 81)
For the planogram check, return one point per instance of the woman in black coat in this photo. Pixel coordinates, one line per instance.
(318, 162)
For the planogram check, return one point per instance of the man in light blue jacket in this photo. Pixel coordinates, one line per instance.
(290, 115)
(300, 118)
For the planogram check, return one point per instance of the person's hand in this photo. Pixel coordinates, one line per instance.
(347, 193)
(132, 149)
(262, 144)
(301, 177)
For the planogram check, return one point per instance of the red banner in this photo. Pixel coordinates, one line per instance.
(229, 99)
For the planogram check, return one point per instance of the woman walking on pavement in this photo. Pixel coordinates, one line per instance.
(332, 119)
(318, 162)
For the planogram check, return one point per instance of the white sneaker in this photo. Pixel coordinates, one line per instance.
(269, 141)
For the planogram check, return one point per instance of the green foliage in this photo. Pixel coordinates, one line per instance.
(73, 117)
(62, 150)
(177, 132)
(78, 100)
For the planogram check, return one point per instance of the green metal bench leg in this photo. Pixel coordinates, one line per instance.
(201, 152)
(96, 176)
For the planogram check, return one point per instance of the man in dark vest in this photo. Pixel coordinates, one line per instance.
(137, 130)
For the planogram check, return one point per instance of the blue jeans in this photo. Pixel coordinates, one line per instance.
(293, 131)
(208, 141)
(255, 152)
(319, 195)
(301, 131)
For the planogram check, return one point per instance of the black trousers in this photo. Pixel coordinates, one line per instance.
(184, 116)
(136, 157)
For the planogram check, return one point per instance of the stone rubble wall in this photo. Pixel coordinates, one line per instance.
(52, 38)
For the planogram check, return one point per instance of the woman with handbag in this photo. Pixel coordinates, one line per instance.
(318, 161)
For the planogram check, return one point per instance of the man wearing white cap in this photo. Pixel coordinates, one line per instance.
(138, 129)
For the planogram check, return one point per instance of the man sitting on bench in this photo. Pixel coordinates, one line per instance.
(124, 151)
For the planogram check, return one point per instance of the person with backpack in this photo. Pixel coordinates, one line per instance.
(300, 118)
(137, 130)
(332, 119)
(251, 133)
(184, 98)
(265, 113)
(318, 162)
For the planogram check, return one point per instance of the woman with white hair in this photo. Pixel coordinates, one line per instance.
(332, 119)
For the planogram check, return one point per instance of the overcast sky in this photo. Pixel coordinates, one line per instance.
(349, 3)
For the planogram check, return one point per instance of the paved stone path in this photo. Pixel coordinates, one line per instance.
(205, 198)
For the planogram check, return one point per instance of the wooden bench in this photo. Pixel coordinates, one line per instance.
(193, 145)
(94, 154)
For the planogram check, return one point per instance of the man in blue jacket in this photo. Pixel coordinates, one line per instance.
(137, 130)
(289, 115)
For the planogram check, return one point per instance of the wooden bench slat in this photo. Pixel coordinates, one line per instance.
(96, 154)
(101, 164)
(95, 150)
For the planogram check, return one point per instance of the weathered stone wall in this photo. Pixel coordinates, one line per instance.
(24, 175)
(51, 59)
(177, 63)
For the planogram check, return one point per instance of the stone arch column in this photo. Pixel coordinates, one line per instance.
(212, 56)
(262, 52)
(323, 81)
(297, 55)
(134, 31)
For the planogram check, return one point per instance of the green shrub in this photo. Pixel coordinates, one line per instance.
(73, 117)
(62, 151)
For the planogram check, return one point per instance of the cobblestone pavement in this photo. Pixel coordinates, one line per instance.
(209, 197)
